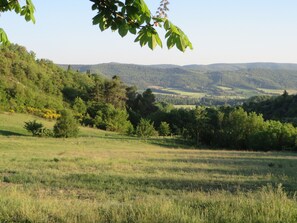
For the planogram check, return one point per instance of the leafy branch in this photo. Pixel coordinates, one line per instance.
(134, 16)
(26, 10)
(124, 16)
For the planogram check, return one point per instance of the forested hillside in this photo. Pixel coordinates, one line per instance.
(202, 78)
(41, 88)
(27, 82)
(282, 108)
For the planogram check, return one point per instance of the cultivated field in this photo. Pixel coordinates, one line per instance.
(105, 177)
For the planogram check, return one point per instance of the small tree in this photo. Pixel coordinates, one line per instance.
(145, 129)
(79, 106)
(66, 126)
(164, 129)
(130, 130)
(34, 127)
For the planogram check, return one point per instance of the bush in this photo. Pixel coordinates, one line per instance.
(47, 132)
(145, 129)
(34, 127)
(164, 129)
(130, 130)
(79, 106)
(107, 117)
(66, 126)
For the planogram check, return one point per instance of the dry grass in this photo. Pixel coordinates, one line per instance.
(105, 177)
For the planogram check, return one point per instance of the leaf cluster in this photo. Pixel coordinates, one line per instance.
(26, 10)
(134, 16)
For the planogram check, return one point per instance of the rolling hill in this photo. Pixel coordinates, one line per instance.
(220, 80)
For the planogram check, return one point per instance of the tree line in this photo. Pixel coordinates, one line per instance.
(282, 108)
(30, 85)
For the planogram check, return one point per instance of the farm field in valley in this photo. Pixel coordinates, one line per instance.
(106, 177)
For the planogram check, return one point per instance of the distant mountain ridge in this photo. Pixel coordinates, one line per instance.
(201, 78)
(240, 66)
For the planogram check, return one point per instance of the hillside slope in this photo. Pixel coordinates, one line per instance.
(29, 82)
(210, 79)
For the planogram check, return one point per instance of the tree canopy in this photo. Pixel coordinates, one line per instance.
(129, 16)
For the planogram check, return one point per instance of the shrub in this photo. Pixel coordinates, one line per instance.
(130, 130)
(107, 117)
(145, 129)
(164, 129)
(44, 113)
(79, 106)
(66, 125)
(34, 127)
(47, 132)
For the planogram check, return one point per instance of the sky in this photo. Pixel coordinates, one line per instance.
(221, 31)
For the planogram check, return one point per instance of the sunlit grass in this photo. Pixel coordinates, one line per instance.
(179, 92)
(106, 177)
(277, 91)
(185, 106)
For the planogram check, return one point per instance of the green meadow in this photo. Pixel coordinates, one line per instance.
(107, 177)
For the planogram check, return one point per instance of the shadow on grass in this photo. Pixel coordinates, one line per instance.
(10, 133)
(108, 136)
(114, 184)
(262, 164)
(169, 142)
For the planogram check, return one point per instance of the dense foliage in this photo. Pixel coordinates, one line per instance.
(221, 80)
(66, 125)
(39, 87)
(282, 108)
(145, 129)
(26, 82)
(164, 129)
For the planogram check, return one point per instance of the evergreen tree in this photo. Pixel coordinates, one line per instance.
(164, 129)
(66, 126)
(115, 92)
(79, 105)
(145, 129)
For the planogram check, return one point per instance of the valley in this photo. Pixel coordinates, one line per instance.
(216, 82)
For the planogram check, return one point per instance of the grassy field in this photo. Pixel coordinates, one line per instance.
(172, 91)
(277, 92)
(106, 177)
(185, 106)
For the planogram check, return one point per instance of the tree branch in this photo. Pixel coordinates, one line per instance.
(8, 3)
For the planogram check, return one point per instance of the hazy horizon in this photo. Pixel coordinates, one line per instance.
(113, 62)
(221, 32)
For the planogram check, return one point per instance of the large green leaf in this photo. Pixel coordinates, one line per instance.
(3, 37)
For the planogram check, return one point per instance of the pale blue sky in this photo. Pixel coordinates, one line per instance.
(222, 31)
